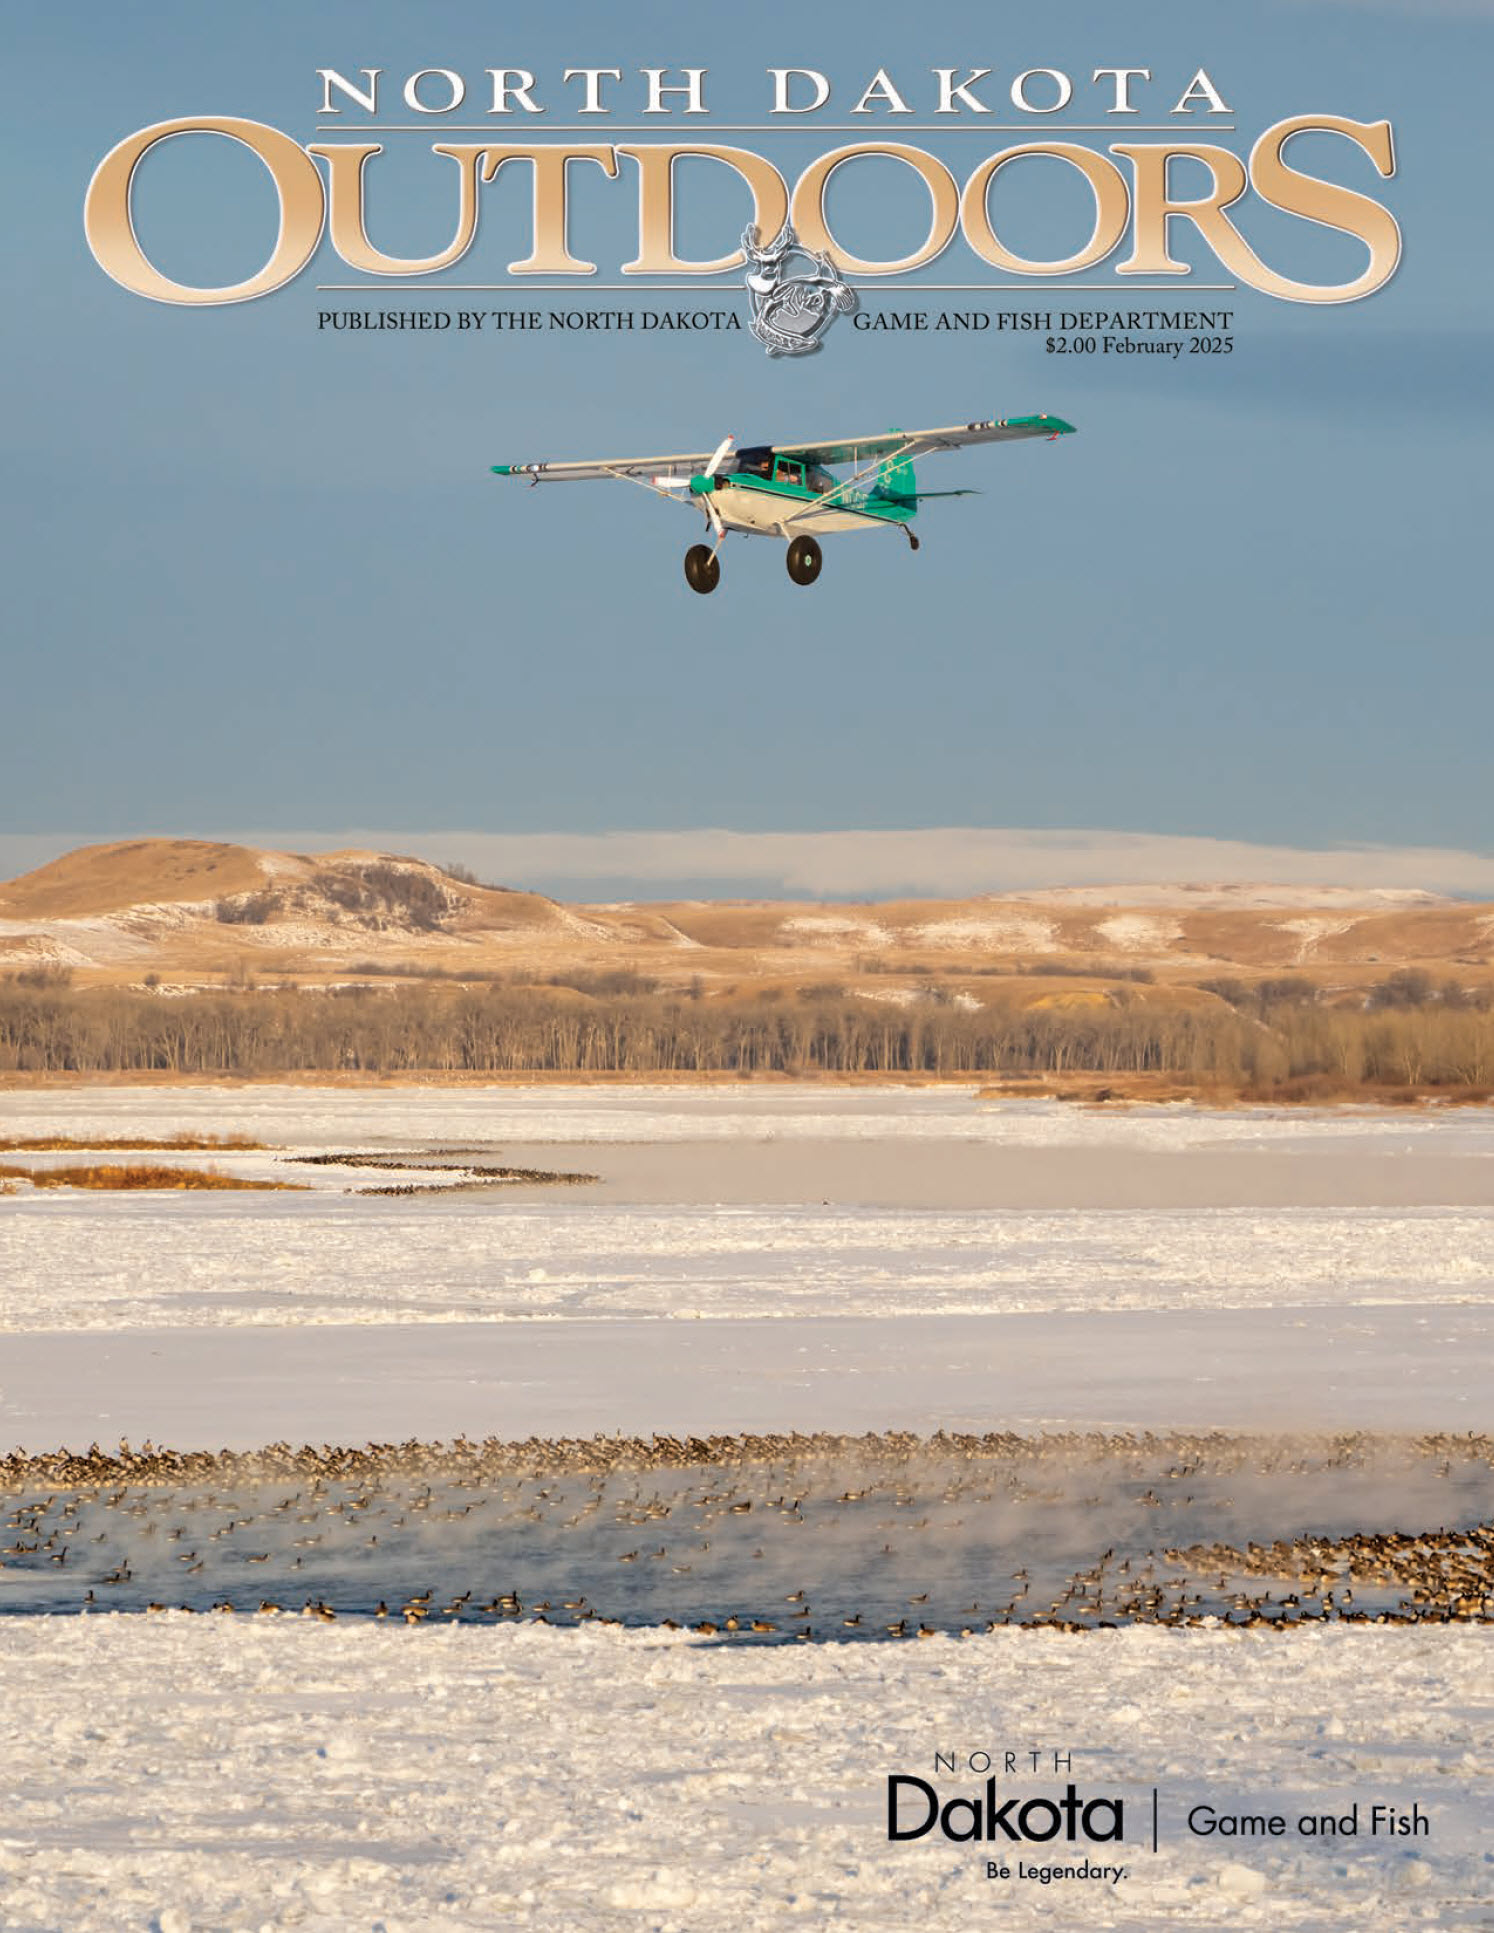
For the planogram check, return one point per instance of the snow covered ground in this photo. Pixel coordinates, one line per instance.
(884, 1258)
(180, 1772)
(753, 1259)
(400, 1116)
(1402, 1369)
(94, 1261)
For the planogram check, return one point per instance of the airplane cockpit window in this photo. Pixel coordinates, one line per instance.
(763, 461)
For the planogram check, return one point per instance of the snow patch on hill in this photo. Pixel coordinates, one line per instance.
(835, 926)
(1011, 934)
(1221, 898)
(1140, 933)
(1313, 932)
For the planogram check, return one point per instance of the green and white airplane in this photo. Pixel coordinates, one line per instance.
(787, 490)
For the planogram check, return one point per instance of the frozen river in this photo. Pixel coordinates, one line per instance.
(750, 1259)
(747, 1259)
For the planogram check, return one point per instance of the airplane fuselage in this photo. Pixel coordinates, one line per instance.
(778, 506)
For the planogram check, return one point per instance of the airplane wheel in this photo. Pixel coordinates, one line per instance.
(702, 568)
(804, 560)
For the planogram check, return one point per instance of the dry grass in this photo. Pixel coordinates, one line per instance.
(1306, 1090)
(176, 1143)
(105, 879)
(1120, 1088)
(139, 1175)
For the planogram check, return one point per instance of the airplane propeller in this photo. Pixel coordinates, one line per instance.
(710, 502)
(722, 451)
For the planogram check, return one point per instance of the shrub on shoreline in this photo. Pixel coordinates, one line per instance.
(439, 1029)
(132, 1176)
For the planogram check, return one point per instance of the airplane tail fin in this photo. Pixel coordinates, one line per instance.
(897, 483)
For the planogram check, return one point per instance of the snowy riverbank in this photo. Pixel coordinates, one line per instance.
(179, 1772)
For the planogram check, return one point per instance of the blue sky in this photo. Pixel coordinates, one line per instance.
(260, 577)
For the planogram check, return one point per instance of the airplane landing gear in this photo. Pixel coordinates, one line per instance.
(804, 560)
(912, 540)
(702, 568)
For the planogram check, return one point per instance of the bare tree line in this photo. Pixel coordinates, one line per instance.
(51, 1029)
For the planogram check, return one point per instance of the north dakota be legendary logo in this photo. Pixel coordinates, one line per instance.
(915, 1809)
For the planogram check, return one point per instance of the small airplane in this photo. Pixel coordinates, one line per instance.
(787, 490)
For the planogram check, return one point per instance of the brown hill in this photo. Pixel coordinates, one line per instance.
(182, 913)
(103, 879)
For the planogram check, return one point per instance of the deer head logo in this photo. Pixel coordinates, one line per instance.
(790, 312)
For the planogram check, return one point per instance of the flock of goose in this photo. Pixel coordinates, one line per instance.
(772, 1538)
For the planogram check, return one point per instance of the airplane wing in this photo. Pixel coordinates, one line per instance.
(912, 443)
(863, 449)
(638, 468)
